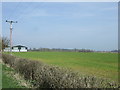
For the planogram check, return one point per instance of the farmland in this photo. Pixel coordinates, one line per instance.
(103, 65)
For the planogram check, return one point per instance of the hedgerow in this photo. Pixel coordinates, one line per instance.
(48, 76)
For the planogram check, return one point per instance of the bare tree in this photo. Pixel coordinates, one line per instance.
(5, 42)
(0, 43)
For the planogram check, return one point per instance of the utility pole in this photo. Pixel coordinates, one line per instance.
(11, 22)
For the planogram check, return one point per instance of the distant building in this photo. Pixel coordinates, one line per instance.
(18, 48)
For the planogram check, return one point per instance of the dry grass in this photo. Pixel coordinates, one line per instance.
(17, 77)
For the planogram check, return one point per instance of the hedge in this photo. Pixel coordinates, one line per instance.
(48, 76)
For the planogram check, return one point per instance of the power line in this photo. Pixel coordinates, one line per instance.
(14, 10)
(22, 12)
(33, 9)
(11, 22)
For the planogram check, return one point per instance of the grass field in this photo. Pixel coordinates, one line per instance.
(7, 80)
(103, 65)
(0, 75)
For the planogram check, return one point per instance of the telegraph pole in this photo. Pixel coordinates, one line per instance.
(11, 22)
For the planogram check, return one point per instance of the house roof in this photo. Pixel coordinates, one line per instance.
(19, 46)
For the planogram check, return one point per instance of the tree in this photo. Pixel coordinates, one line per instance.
(0, 43)
(5, 42)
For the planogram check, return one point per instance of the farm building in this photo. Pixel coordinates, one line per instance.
(18, 48)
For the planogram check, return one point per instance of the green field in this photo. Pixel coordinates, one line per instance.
(7, 80)
(103, 65)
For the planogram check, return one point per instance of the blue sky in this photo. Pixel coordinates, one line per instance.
(89, 25)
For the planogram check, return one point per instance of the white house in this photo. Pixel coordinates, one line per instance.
(18, 48)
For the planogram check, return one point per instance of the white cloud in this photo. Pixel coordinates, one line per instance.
(80, 15)
(42, 12)
(110, 8)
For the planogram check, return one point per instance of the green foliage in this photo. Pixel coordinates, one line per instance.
(0, 76)
(49, 76)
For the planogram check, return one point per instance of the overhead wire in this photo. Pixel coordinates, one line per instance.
(14, 10)
(23, 13)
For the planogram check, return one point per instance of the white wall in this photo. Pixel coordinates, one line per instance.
(6, 50)
(15, 49)
(23, 50)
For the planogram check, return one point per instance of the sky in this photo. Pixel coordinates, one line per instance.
(82, 25)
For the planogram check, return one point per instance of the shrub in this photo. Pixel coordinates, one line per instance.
(47, 76)
(8, 59)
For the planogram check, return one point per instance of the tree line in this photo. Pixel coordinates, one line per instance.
(61, 50)
(5, 42)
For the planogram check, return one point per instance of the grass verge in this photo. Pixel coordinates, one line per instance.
(10, 79)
